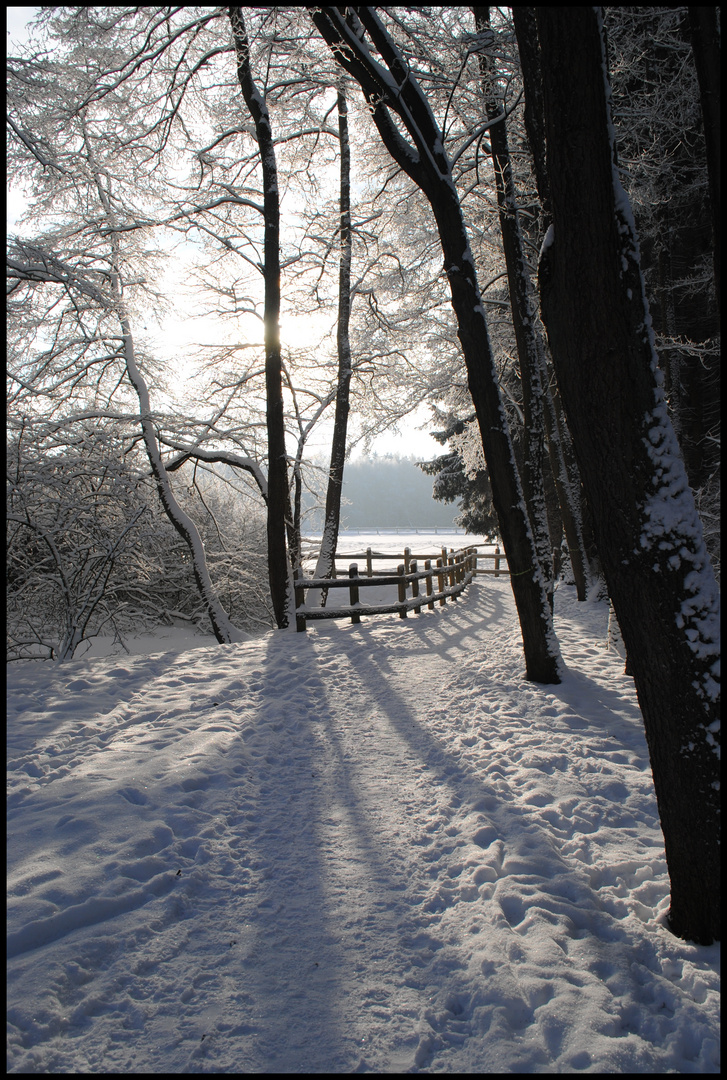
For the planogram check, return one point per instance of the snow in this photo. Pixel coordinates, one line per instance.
(364, 848)
(547, 241)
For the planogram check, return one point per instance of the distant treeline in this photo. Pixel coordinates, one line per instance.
(389, 492)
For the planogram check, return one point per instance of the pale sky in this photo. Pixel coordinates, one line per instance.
(16, 19)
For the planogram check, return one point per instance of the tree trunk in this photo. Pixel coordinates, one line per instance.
(523, 312)
(279, 571)
(568, 495)
(428, 166)
(649, 534)
(704, 25)
(222, 628)
(526, 32)
(329, 540)
(568, 498)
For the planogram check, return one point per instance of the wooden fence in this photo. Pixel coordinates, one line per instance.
(499, 558)
(453, 572)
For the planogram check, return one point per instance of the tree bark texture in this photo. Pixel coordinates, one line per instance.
(279, 571)
(649, 535)
(568, 495)
(527, 38)
(526, 32)
(704, 23)
(427, 164)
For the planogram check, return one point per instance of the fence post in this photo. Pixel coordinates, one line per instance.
(300, 624)
(428, 579)
(369, 563)
(440, 580)
(415, 587)
(407, 559)
(452, 579)
(497, 560)
(401, 570)
(353, 591)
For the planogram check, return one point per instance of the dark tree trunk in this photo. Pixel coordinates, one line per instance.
(428, 166)
(329, 542)
(295, 547)
(279, 572)
(568, 495)
(526, 32)
(523, 311)
(648, 532)
(704, 25)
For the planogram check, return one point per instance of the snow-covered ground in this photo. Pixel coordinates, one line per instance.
(370, 847)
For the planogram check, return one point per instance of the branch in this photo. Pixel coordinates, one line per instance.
(28, 142)
(485, 127)
(42, 267)
(226, 457)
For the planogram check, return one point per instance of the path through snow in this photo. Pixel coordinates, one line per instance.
(363, 848)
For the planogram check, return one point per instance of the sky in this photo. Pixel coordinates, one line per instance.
(16, 19)
(411, 440)
(371, 848)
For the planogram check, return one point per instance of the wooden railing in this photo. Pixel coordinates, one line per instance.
(453, 573)
(500, 560)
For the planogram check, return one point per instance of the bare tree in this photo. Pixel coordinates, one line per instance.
(279, 569)
(393, 89)
(704, 23)
(325, 567)
(75, 518)
(522, 302)
(92, 278)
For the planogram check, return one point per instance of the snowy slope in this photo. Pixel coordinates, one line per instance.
(362, 848)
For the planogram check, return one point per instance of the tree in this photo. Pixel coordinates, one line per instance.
(279, 569)
(705, 32)
(326, 565)
(134, 142)
(664, 154)
(75, 523)
(648, 531)
(99, 283)
(563, 468)
(393, 89)
(452, 480)
(521, 301)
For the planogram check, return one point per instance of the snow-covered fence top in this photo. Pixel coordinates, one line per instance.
(452, 572)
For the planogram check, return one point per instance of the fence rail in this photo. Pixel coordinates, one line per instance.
(453, 573)
(370, 556)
